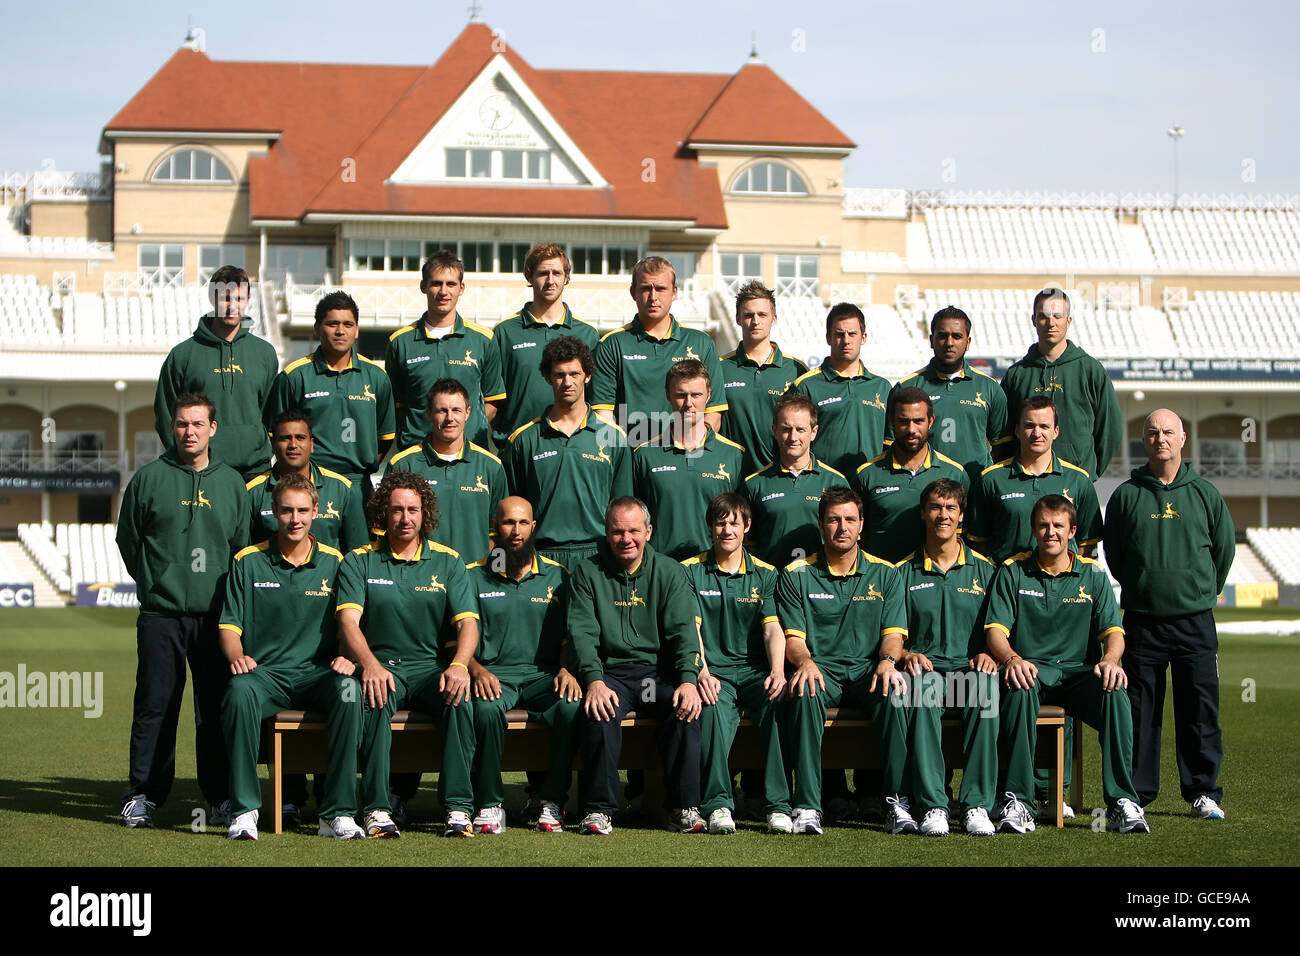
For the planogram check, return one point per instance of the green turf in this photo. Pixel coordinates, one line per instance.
(63, 775)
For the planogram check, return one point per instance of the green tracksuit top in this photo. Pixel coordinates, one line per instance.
(414, 361)
(785, 510)
(945, 609)
(468, 490)
(1053, 619)
(284, 615)
(1169, 546)
(519, 341)
(237, 376)
(1001, 502)
(752, 391)
(843, 618)
(1092, 426)
(677, 486)
(520, 622)
(851, 427)
(350, 411)
(732, 610)
(569, 479)
(970, 413)
(645, 616)
(177, 529)
(891, 499)
(631, 367)
(408, 608)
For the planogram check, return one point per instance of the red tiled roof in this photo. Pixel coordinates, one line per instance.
(376, 115)
(757, 107)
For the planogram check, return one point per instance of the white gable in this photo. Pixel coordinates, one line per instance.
(495, 116)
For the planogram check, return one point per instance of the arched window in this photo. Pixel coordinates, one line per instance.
(770, 179)
(192, 166)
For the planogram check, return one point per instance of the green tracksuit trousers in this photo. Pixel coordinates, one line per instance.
(741, 687)
(261, 693)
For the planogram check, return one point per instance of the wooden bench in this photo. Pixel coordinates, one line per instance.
(294, 742)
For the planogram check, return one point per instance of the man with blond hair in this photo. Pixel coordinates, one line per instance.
(520, 339)
(632, 362)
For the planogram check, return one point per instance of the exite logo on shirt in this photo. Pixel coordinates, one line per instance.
(545, 454)
(921, 587)
(635, 358)
(491, 594)
(886, 489)
(821, 596)
(830, 401)
(378, 581)
(311, 395)
(736, 385)
(1029, 592)
(709, 593)
(523, 345)
(1010, 495)
(775, 494)
(266, 584)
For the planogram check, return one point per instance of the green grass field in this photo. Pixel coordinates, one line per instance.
(63, 775)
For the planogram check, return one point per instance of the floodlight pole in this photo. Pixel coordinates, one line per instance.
(1175, 133)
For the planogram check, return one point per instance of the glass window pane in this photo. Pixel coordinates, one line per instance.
(149, 256)
(512, 164)
(796, 184)
(758, 178)
(173, 256)
(730, 264)
(202, 166)
(181, 164)
(785, 267)
(456, 163)
(780, 178)
(480, 163)
(742, 183)
(539, 165)
(753, 266)
(221, 172)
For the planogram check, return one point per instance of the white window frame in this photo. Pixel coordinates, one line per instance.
(164, 171)
(806, 278)
(743, 183)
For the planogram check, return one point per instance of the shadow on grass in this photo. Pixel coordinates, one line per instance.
(96, 801)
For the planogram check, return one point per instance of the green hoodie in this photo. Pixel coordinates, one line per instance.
(1091, 424)
(1169, 546)
(643, 617)
(177, 530)
(237, 376)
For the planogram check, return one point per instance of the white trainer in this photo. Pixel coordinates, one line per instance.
(807, 822)
(1207, 808)
(243, 826)
(596, 824)
(720, 821)
(686, 820)
(898, 816)
(138, 812)
(551, 817)
(1127, 817)
(490, 820)
(935, 822)
(459, 825)
(341, 828)
(778, 822)
(380, 826)
(977, 822)
(1015, 817)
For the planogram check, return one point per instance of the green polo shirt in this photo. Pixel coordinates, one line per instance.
(340, 520)
(520, 622)
(850, 414)
(468, 488)
(414, 361)
(970, 413)
(752, 391)
(732, 610)
(1004, 497)
(569, 479)
(945, 609)
(631, 367)
(843, 618)
(891, 498)
(784, 526)
(408, 608)
(284, 615)
(519, 341)
(1053, 619)
(644, 617)
(350, 411)
(677, 485)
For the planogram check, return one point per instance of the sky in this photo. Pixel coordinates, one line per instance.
(996, 96)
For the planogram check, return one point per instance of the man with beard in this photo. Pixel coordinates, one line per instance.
(519, 663)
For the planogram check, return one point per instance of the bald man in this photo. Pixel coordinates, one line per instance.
(522, 598)
(1170, 542)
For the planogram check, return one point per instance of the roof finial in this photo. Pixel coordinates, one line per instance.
(475, 9)
(753, 47)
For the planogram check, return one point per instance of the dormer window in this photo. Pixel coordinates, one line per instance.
(192, 166)
(769, 179)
